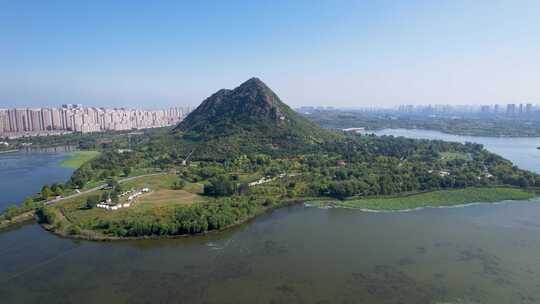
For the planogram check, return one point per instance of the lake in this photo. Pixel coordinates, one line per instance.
(477, 254)
(23, 173)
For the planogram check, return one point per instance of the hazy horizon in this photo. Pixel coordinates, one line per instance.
(351, 54)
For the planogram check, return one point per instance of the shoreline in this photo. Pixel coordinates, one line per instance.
(448, 198)
(51, 229)
(405, 202)
(91, 235)
(367, 210)
(21, 218)
(77, 158)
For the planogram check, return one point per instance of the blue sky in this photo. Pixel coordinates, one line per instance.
(343, 53)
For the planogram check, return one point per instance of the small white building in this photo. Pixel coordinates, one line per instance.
(443, 173)
(107, 204)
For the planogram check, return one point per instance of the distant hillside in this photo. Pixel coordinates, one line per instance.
(250, 119)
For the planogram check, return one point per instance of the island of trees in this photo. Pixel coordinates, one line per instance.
(244, 152)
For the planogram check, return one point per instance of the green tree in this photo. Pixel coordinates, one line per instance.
(115, 198)
(220, 185)
(115, 185)
(10, 212)
(46, 215)
(92, 201)
(127, 171)
(269, 201)
(73, 230)
(105, 196)
(243, 189)
(46, 192)
(57, 189)
(179, 184)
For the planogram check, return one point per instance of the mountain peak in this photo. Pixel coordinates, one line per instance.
(251, 110)
(254, 89)
(253, 82)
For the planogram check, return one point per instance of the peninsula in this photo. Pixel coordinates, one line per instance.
(243, 152)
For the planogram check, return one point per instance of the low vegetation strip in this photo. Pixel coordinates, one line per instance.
(439, 199)
(78, 158)
(5, 222)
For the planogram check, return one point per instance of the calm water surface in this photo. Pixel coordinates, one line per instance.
(23, 173)
(478, 254)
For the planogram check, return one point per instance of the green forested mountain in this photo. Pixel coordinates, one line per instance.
(250, 118)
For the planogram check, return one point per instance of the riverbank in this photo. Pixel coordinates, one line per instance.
(78, 158)
(24, 213)
(441, 198)
(26, 216)
(66, 225)
(64, 229)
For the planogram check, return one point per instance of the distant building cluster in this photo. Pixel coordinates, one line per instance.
(527, 109)
(517, 109)
(76, 118)
(310, 110)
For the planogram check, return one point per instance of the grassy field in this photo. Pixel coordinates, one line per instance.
(167, 197)
(157, 202)
(438, 199)
(77, 158)
(155, 213)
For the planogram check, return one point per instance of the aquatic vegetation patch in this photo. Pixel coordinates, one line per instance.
(440, 198)
(78, 158)
(389, 284)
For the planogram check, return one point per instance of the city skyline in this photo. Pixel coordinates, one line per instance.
(351, 53)
(525, 110)
(20, 121)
